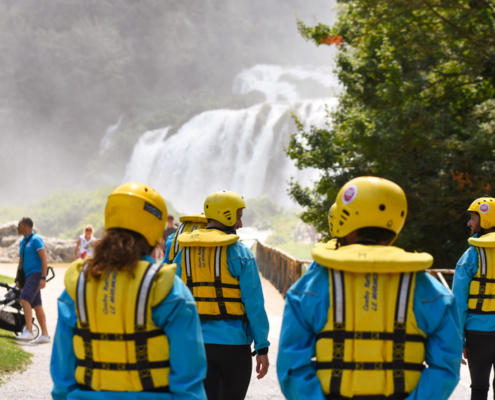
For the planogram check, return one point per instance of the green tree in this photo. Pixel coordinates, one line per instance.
(417, 108)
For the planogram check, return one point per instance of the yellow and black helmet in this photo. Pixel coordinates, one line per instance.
(139, 208)
(223, 206)
(485, 207)
(368, 202)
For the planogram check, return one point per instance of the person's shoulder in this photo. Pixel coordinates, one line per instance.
(470, 256)
(37, 239)
(239, 249)
(311, 283)
(429, 289)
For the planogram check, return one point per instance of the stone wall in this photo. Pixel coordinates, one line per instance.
(57, 250)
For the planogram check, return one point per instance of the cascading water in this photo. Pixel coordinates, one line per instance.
(239, 150)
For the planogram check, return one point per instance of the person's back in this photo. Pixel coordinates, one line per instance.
(367, 311)
(221, 273)
(122, 317)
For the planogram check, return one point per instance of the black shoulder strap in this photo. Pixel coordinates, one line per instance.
(25, 244)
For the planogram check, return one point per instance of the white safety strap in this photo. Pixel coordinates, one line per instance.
(144, 291)
(81, 296)
(179, 232)
(483, 261)
(338, 287)
(187, 257)
(403, 300)
(218, 259)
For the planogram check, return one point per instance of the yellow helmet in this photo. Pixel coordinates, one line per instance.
(139, 208)
(368, 202)
(485, 207)
(223, 206)
(331, 216)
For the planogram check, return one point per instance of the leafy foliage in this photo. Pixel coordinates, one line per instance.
(65, 213)
(417, 109)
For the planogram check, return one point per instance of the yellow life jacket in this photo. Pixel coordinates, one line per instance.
(482, 289)
(189, 223)
(371, 345)
(206, 273)
(117, 345)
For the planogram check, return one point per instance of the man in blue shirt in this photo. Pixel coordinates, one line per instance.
(34, 263)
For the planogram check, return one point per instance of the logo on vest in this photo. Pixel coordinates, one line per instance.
(484, 208)
(349, 194)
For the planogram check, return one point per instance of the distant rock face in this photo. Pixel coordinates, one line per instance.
(57, 250)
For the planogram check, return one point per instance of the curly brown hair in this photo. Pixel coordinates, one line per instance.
(119, 249)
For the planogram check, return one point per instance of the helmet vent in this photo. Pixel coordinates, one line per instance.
(402, 214)
(346, 212)
(382, 207)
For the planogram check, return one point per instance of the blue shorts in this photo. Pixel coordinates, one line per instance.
(31, 290)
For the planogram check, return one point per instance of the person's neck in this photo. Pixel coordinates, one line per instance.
(87, 237)
(28, 233)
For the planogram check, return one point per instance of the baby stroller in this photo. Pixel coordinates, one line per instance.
(14, 320)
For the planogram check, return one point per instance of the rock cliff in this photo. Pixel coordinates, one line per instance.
(57, 250)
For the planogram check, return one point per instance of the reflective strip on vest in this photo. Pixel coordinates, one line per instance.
(392, 346)
(481, 298)
(142, 333)
(208, 277)
(175, 243)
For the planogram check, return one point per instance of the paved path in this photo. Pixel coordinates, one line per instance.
(35, 383)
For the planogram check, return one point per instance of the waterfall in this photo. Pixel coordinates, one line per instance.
(239, 150)
(109, 136)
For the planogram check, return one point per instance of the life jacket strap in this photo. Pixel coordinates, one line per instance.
(160, 389)
(395, 396)
(187, 261)
(223, 285)
(369, 335)
(219, 300)
(175, 246)
(371, 366)
(116, 337)
(123, 366)
(83, 320)
(483, 279)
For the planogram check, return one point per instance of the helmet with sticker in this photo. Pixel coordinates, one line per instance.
(139, 208)
(485, 207)
(368, 202)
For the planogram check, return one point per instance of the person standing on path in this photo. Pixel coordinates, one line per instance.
(474, 289)
(34, 263)
(169, 230)
(222, 274)
(128, 327)
(85, 244)
(368, 311)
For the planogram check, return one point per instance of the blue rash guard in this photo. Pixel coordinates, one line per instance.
(465, 270)
(242, 265)
(168, 246)
(306, 313)
(176, 314)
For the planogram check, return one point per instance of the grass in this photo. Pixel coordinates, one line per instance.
(6, 279)
(12, 357)
(297, 250)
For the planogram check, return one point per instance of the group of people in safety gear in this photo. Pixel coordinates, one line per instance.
(366, 321)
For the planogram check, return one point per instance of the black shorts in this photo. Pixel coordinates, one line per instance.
(31, 290)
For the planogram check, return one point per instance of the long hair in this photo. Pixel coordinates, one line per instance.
(119, 249)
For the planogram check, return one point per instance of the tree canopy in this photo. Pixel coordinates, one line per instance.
(417, 108)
